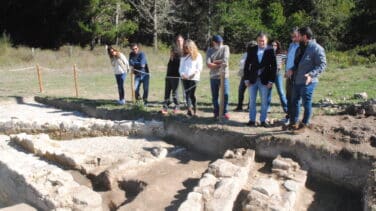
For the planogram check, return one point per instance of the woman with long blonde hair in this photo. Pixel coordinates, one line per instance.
(189, 70)
(120, 67)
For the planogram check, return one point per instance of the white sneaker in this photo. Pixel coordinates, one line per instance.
(121, 102)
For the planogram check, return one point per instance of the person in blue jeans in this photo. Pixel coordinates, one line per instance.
(259, 75)
(217, 60)
(140, 69)
(120, 67)
(281, 60)
(309, 63)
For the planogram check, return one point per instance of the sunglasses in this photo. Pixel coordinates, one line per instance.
(133, 49)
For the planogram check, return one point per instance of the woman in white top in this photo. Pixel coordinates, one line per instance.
(189, 70)
(120, 66)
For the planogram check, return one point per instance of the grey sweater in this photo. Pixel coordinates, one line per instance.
(223, 53)
(313, 62)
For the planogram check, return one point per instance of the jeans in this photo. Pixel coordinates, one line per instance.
(264, 90)
(215, 85)
(144, 79)
(120, 78)
(190, 89)
(304, 92)
(241, 90)
(281, 93)
(171, 86)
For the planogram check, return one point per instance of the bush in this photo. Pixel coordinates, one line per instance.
(366, 51)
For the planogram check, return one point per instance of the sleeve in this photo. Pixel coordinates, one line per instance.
(181, 66)
(143, 61)
(199, 63)
(319, 62)
(208, 54)
(125, 61)
(131, 60)
(246, 65)
(226, 57)
(273, 66)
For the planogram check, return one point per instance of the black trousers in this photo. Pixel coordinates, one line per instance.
(190, 89)
(289, 86)
(171, 87)
(241, 90)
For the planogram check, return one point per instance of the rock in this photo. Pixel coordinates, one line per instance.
(370, 107)
(19, 207)
(207, 180)
(291, 185)
(268, 186)
(159, 152)
(223, 168)
(194, 202)
(361, 95)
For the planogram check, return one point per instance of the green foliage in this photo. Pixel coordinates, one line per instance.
(274, 18)
(101, 24)
(241, 21)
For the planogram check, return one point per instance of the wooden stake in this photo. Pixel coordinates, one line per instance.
(39, 79)
(75, 79)
(132, 87)
(222, 96)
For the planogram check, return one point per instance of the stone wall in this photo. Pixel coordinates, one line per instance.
(40, 184)
(219, 187)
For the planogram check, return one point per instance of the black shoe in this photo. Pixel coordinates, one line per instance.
(238, 109)
(251, 124)
(265, 124)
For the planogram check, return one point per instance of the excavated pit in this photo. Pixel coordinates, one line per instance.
(337, 178)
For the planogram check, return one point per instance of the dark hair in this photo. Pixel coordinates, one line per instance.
(179, 35)
(279, 47)
(134, 45)
(262, 34)
(306, 31)
(109, 48)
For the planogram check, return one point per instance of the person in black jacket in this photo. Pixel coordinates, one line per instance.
(259, 75)
(173, 77)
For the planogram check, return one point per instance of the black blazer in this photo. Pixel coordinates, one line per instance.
(268, 62)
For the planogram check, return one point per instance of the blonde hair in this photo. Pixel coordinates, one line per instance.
(192, 48)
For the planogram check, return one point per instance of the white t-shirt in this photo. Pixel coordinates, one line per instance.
(189, 67)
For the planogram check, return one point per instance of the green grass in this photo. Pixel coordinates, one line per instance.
(96, 79)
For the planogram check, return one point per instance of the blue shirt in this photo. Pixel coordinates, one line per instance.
(138, 61)
(260, 53)
(291, 55)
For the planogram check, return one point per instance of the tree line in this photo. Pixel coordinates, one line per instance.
(338, 24)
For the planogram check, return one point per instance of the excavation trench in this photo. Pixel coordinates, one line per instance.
(338, 178)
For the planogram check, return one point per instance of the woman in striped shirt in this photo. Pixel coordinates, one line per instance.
(281, 60)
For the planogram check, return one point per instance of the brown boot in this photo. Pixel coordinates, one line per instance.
(299, 129)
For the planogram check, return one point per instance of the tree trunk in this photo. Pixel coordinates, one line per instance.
(117, 22)
(155, 21)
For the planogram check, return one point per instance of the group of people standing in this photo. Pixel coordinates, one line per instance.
(261, 67)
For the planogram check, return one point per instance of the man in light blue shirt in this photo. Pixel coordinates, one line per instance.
(289, 65)
(309, 63)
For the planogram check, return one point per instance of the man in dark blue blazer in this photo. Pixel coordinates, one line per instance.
(259, 75)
